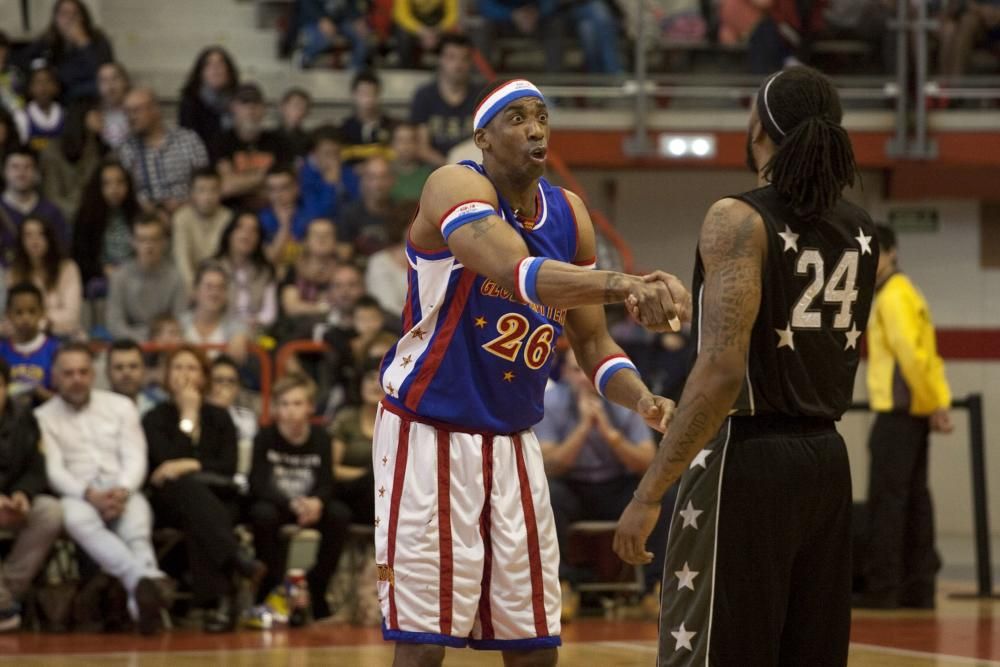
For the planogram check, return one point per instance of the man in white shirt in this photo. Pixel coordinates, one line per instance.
(95, 456)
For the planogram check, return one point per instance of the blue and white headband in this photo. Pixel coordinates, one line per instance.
(501, 97)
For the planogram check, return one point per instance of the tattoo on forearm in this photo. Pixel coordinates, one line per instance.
(695, 417)
(612, 286)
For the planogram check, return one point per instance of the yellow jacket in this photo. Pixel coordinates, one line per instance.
(905, 372)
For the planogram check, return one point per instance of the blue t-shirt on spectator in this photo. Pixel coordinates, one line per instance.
(30, 363)
(318, 195)
(596, 462)
(300, 221)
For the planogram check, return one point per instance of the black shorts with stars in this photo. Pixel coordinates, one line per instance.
(758, 568)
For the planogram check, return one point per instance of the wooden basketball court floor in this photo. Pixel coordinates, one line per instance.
(958, 633)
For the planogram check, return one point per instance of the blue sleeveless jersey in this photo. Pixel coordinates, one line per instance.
(472, 354)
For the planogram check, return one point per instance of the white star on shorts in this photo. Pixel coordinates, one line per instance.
(685, 577)
(690, 516)
(683, 638)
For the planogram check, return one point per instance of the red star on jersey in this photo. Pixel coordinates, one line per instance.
(385, 460)
(418, 334)
(508, 376)
(407, 360)
(390, 389)
(381, 492)
(377, 521)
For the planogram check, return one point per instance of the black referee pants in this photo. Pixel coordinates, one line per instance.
(902, 562)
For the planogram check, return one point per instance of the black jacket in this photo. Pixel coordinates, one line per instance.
(22, 465)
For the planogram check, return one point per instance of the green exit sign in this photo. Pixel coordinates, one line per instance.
(914, 219)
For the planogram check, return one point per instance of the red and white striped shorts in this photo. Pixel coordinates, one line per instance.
(465, 540)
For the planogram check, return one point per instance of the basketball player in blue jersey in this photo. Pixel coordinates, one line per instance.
(758, 563)
(501, 262)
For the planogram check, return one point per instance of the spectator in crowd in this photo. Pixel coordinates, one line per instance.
(21, 199)
(33, 517)
(74, 46)
(192, 455)
(68, 161)
(95, 457)
(386, 270)
(11, 79)
(226, 392)
(46, 117)
(366, 132)
(347, 286)
(40, 259)
(408, 170)
(286, 218)
(207, 94)
(295, 106)
(160, 159)
(323, 22)
(420, 24)
(245, 153)
(533, 18)
(363, 222)
(209, 321)
(113, 84)
(102, 232)
(442, 110)
(145, 287)
(910, 395)
(594, 453)
(166, 333)
(773, 32)
(967, 25)
(291, 482)
(305, 294)
(29, 352)
(325, 181)
(253, 292)
(197, 226)
(126, 371)
(349, 340)
(352, 431)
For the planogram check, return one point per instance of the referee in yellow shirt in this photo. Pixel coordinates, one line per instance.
(910, 395)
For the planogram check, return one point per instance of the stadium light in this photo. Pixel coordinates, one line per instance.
(677, 146)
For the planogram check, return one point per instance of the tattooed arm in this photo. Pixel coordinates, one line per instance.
(732, 248)
(493, 248)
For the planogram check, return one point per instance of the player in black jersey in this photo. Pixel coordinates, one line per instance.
(758, 563)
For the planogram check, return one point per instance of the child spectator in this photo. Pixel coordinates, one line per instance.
(295, 106)
(102, 232)
(420, 25)
(45, 114)
(198, 225)
(40, 259)
(327, 184)
(29, 352)
(291, 482)
(409, 171)
(365, 132)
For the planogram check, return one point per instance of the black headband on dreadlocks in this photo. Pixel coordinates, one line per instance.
(800, 110)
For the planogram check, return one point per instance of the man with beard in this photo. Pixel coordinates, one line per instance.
(758, 559)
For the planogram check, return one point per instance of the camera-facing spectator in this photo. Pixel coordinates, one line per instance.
(46, 117)
(145, 287)
(113, 83)
(245, 153)
(40, 259)
(366, 132)
(198, 225)
(363, 223)
(207, 94)
(291, 482)
(192, 461)
(226, 393)
(95, 459)
(21, 199)
(33, 517)
(126, 371)
(209, 321)
(408, 170)
(160, 159)
(420, 24)
(286, 218)
(294, 108)
(29, 351)
(253, 290)
(442, 110)
(102, 232)
(74, 46)
(68, 161)
(327, 184)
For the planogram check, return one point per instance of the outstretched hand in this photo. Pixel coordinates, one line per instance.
(660, 302)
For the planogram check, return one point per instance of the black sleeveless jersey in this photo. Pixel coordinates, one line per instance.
(818, 285)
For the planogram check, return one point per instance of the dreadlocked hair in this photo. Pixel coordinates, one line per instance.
(814, 160)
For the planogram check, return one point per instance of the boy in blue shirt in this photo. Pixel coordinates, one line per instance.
(30, 351)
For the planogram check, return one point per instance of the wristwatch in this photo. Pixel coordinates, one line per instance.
(186, 426)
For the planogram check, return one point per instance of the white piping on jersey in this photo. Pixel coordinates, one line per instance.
(753, 409)
(433, 278)
(541, 196)
(715, 545)
(701, 313)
